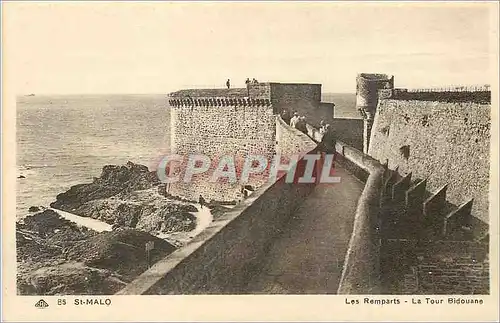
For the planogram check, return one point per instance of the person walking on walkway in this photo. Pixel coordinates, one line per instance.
(202, 202)
(294, 119)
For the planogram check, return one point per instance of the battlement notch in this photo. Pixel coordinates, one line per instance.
(476, 94)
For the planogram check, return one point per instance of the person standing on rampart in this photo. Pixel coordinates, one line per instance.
(247, 82)
(329, 140)
(301, 124)
(294, 119)
(228, 83)
(202, 202)
(322, 127)
(285, 115)
(322, 124)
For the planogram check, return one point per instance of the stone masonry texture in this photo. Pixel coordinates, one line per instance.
(350, 131)
(219, 131)
(237, 129)
(436, 267)
(290, 141)
(448, 143)
(303, 98)
(231, 249)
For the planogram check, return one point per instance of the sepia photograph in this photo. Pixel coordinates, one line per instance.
(279, 148)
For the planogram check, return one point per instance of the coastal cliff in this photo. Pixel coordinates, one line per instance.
(128, 196)
(57, 256)
(114, 181)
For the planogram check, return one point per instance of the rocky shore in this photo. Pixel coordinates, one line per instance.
(128, 196)
(56, 256)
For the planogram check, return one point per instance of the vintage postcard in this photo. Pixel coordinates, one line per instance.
(250, 161)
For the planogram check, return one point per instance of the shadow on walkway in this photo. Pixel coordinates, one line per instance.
(307, 258)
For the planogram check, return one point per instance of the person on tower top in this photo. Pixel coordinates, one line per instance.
(228, 83)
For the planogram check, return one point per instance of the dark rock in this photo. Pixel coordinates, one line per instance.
(214, 203)
(44, 235)
(144, 215)
(189, 208)
(218, 211)
(122, 251)
(179, 221)
(70, 278)
(162, 192)
(34, 209)
(32, 248)
(114, 180)
(56, 257)
(21, 176)
(128, 215)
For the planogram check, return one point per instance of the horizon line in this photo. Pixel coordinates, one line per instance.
(125, 93)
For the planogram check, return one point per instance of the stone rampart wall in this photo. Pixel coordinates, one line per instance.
(445, 142)
(227, 253)
(436, 267)
(219, 128)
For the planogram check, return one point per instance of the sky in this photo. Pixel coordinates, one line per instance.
(60, 48)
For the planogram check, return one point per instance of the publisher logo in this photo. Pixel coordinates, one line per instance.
(41, 304)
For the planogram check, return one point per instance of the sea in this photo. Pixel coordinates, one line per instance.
(66, 140)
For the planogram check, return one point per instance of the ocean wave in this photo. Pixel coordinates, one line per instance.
(53, 156)
(29, 166)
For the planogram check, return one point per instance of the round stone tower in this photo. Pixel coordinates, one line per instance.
(367, 86)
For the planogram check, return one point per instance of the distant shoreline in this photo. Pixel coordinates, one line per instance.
(45, 95)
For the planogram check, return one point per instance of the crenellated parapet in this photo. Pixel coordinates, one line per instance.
(454, 88)
(439, 247)
(218, 102)
(235, 122)
(476, 94)
(412, 211)
(216, 123)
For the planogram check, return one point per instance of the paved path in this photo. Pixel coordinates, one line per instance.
(308, 257)
(88, 222)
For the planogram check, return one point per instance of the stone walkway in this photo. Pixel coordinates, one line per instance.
(308, 257)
